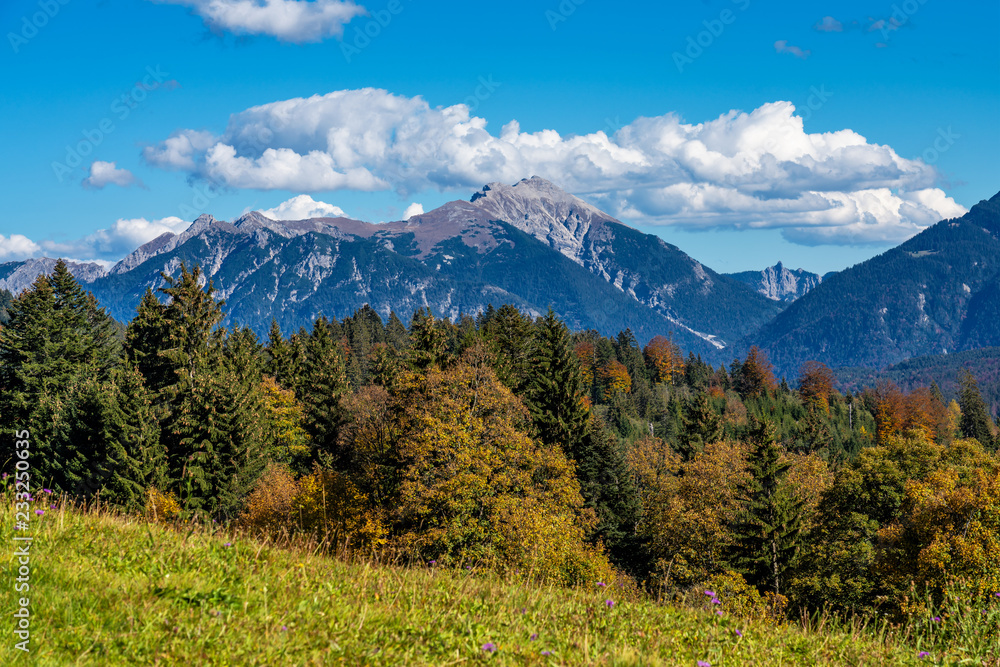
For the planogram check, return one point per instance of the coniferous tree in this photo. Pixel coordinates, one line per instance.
(554, 392)
(428, 340)
(702, 425)
(322, 385)
(395, 333)
(767, 532)
(58, 341)
(976, 422)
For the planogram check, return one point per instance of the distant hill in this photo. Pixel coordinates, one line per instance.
(779, 283)
(939, 292)
(944, 369)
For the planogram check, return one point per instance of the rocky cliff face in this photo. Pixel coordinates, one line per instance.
(18, 276)
(779, 283)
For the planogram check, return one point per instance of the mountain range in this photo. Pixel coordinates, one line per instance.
(535, 246)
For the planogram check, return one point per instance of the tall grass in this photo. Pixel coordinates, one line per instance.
(113, 589)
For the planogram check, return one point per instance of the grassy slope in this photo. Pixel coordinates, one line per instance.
(110, 590)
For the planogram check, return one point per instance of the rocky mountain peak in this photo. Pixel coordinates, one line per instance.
(547, 212)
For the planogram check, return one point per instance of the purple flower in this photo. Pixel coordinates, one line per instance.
(16, 527)
(610, 603)
(546, 652)
(738, 633)
(718, 613)
(936, 619)
(998, 595)
(710, 594)
(716, 601)
(228, 544)
(39, 512)
(489, 647)
(602, 585)
(432, 562)
(47, 490)
(923, 654)
(284, 628)
(704, 663)
(533, 637)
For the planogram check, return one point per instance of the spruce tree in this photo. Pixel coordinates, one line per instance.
(554, 391)
(428, 341)
(976, 422)
(767, 531)
(702, 425)
(57, 342)
(323, 382)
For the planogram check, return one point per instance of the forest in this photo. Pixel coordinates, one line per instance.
(508, 442)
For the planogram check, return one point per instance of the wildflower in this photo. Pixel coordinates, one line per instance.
(923, 654)
(718, 613)
(998, 595)
(284, 628)
(47, 490)
(228, 544)
(489, 647)
(610, 603)
(936, 619)
(432, 562)
(704, 663)
(533, 637)
(39, 512)
(710, 594)
(716, 601)
(602, 585)
(738, 633)
(546, 652)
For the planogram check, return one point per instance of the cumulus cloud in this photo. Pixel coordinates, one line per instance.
(106, 173)
(303, 207)
(412, 210)
(782, 46)
(296, 21)
(829, 24)
(103, 246)
(16, 247)
(742, 169)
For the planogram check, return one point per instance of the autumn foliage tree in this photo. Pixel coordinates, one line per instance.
(615, 378)
(663, 359)
(756, 375)
(816, 382)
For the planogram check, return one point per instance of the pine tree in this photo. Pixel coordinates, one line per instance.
(976, 422)
(702, 425)
(554, 392)
(57, 342)
(322, 385)
(428, 340)
(767, 532)
(396, 334)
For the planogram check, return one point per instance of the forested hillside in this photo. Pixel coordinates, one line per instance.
(937, 293)
(512, 444)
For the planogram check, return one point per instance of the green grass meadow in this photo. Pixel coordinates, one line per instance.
(108, 589)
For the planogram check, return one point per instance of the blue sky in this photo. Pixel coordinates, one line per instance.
(912, 104)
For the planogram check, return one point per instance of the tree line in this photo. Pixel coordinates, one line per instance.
(508, 441)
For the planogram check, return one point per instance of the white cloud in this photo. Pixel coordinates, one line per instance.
(412, 210)
(103, 246)
(782, 46)
(17, 247)
(303, 207)
(296, 21)
(106, 173)
(756, 169)
(829, 24)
